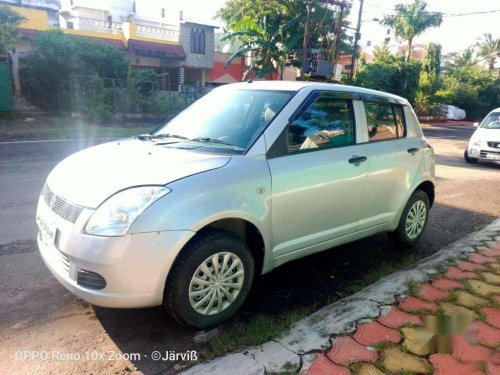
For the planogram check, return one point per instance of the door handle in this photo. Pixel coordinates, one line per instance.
(412, 150)
(355, 159)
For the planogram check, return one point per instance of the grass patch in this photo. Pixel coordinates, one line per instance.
(257, 330)
(383, 269)
(67, 128)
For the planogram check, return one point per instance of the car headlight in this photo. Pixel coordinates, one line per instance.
(115, 216)
(477, 142)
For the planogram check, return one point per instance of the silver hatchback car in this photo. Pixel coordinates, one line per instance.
(249, 177)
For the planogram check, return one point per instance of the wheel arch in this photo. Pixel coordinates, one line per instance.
(428, 188)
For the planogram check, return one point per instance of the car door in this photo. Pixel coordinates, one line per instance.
(318, 173)
(393, 161)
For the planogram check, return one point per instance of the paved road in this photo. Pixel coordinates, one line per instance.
(38, 314)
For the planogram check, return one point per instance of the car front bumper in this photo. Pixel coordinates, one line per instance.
(484, 153)
(134, 266)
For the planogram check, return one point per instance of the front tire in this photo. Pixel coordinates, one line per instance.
(413, 221)
(469, 159)
(209, 280)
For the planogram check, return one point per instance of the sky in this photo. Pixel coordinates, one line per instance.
(455, 33)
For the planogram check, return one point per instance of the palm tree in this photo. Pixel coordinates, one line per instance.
(467, 57)
(271, 44)
(412, 20)
(489, 50)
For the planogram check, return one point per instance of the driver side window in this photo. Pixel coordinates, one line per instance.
(327, 122)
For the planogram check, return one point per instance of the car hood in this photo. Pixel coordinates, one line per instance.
(487, 134)
(90, 176)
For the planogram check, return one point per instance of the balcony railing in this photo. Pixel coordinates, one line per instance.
(157, 33)
(99, 26)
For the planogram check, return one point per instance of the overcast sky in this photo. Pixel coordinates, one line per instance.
(455, 33)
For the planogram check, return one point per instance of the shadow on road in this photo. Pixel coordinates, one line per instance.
(309, 282)
(457, 161)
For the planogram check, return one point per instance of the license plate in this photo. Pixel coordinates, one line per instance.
(493, 157)
(47, 231)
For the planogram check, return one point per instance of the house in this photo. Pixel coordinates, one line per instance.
(150, 34)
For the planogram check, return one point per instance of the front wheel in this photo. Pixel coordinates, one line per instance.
(209, 280)
(413, 221)
(468, 159)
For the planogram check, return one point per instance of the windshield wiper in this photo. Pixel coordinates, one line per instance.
(212, 140)
(160, 136)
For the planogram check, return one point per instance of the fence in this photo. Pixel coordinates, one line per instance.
(104, 97)
(6, 93)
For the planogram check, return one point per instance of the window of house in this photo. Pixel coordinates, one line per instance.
(197, 41)
(327, 122)
(385, 121)
(162, 12)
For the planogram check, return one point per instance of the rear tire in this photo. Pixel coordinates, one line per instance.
(412, 222)
(209, 280)
(469, 159)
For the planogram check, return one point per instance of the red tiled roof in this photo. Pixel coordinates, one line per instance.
(152, 49)
(118, 44)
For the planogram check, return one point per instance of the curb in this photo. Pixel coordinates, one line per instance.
(296, 349)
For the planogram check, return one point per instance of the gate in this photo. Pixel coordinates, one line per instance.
(6, 93)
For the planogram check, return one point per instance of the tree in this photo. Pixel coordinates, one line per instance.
(455, 60)
(489, 50)
(412, 20)
(9, 28)
(429, 80)
(473, 88)
(56, 56)
(323, 22)
(390, 73)
(270, 43)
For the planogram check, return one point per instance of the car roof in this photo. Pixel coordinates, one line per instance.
(298, 85)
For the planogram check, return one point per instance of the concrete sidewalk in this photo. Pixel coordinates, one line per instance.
(441, 316)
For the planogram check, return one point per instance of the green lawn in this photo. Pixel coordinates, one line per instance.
(67, 128)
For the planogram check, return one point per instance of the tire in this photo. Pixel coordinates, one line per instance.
(403, 238)
(468, 159)
(181, 282)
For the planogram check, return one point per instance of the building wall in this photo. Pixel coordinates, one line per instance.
(197, 60)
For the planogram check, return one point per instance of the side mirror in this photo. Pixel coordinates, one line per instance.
(476, 124)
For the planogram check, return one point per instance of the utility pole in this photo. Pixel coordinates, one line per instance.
(305, 43)
(356, 40)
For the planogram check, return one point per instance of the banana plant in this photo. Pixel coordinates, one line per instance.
(271, 46)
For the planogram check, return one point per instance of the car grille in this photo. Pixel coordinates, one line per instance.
(494, 144)
(61, 206)
(484, 153)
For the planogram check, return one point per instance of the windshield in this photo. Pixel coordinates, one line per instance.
(492, 121)
(226, 117)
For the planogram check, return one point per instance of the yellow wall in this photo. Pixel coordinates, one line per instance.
(35, 19)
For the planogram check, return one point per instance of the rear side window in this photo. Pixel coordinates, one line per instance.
(327, 122)
(385, 121)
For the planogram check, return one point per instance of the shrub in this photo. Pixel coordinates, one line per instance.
(472, 88)
(57, 56)
(390, 73)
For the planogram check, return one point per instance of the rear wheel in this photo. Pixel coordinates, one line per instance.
(413, 221)
(210, 280)
(469, 159)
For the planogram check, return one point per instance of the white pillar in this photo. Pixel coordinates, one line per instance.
(181, 75)
(14, 66)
